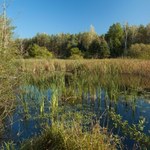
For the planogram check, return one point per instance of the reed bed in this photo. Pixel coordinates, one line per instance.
(89, 73)
(121, 66)
(114, 75)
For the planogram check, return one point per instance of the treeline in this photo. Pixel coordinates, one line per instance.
(119, 41)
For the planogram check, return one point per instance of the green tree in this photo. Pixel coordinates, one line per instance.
(86, 38)
(141, 35)
(94, 49)
(148, 34)
(133, 30)
(42, 40)
(104, 52)
(99, 49)
(126, 34)
(114, 38)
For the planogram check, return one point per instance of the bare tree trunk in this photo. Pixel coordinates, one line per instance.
(3, 42)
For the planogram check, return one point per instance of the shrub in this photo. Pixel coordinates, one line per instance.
(139, 51)
(76, 53)
(39, 52)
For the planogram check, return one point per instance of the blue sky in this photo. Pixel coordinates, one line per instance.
(74, 16)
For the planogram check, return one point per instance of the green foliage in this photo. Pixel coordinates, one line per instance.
(76, 53)
(115, 37)
(95, 48)
(113, 44)
(39, 52)
(134, 131)
(105, 52)
(42, 40)
(139, 51)
(99, 49)
(90, 43)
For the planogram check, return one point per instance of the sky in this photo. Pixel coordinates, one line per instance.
(73, 16)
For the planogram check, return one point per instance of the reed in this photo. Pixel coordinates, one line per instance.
(122, 66)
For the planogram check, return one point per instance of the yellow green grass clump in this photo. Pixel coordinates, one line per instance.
(72, 138)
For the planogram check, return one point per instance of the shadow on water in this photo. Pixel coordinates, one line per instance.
(127, 96)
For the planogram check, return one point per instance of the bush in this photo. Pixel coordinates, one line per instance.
(139, 51)
(39, 52)
(76, 53)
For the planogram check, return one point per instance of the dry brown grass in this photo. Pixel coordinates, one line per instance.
(122, 66)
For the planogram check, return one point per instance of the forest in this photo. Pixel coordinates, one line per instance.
(119, 41)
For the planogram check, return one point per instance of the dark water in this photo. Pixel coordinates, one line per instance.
(26, 121)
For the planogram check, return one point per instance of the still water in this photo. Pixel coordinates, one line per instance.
(27, 121)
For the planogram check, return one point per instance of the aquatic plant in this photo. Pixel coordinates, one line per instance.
(54, 106)
(63, 137)
(134, 131)
(8, 146)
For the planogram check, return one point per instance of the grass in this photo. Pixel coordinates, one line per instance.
(121, 66)
(70, 76)
(61, 137)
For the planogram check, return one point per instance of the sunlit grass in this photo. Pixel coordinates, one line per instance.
(63, 137)
(122, 66)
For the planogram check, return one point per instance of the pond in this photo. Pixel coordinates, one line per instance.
(96, 101)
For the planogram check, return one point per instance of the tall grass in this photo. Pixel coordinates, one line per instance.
(72, 77)
(121, 66)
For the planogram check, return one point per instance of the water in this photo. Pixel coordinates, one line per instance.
(27, 121)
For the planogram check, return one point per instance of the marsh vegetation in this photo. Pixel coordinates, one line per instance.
(95, 104)
(74, 103)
